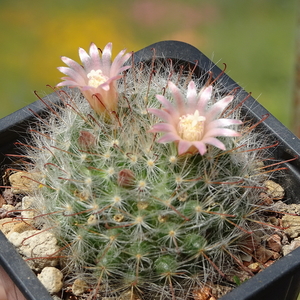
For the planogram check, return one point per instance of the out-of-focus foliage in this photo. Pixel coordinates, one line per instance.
(254, 38)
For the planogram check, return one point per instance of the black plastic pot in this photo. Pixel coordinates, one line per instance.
(279, 281)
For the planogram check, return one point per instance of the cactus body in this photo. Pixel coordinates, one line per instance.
(132, 214)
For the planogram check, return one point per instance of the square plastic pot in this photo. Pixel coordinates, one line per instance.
(279, 281)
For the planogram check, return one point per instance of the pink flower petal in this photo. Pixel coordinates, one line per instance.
(192, 96)
(88, 88)
(214, 142)
(183, 146)
(65, 70)
(74, 65)
(201, 147)
(220, 132)
(110, 82)
(180, 105)
(73, 75)
(218, 107)
(105, 86)
(169, 106)
(204, 97)
(95, 58)
(162, 127)
(121, 70)
(118, 62)
(86, 60)
(161, 114)
(222, 123)
(68, 83)
(106, 59)
(168, 137)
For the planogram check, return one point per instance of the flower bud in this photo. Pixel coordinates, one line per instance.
(126, 178)
(86, 140)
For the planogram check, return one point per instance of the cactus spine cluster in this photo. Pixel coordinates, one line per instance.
(131, 214)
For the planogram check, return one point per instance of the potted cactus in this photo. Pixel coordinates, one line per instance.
(152, 175)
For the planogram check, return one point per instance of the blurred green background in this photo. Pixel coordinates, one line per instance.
(255, 38)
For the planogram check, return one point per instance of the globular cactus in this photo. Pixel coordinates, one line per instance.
(141, 194)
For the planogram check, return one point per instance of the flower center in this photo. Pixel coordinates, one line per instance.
(96, 78)
(191, 127)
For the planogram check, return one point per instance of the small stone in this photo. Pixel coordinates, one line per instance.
(291, 225)
(23, 182)
(51, 278)
(262, 254)
(269, 263)
(274, 221)
(220, 290)
(292, 208)
(254, 267)
(274, 190)
(7, 196)
(28, 211)
(286, 249)
(245, 257)
(6, 225)
(21, 227)
(274, 242)
(8, 207)
(36, 244)
(79, 287)
(276, 255)
(284, 239)
(202, 293)
(2, 201)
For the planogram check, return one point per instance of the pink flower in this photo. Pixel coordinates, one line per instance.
(190, 123)
(97, 77)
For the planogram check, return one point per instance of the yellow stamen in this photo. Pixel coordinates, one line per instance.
(191, 127)
(96, 78)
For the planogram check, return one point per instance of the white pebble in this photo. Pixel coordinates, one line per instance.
(51, 278)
